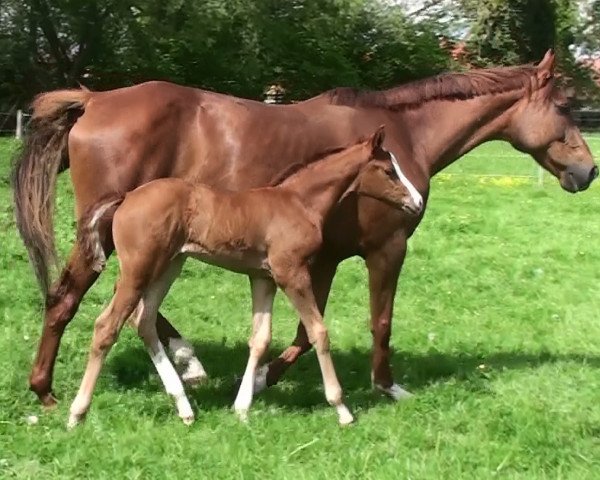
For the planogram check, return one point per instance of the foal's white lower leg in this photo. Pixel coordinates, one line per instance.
(146, 325)
(167, 373)
(263, 293)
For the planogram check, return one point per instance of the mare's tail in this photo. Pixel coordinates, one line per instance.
(35, 168)
(88, 235)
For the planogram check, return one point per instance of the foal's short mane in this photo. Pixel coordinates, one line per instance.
(447, 86)
(296, 167)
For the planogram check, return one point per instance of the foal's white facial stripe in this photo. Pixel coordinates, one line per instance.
(414, 193)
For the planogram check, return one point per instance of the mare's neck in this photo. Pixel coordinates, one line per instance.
(321, 184)
(441, 131)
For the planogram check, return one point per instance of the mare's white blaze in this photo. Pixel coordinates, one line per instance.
(183, 355)
(171, 381)
(414, 193)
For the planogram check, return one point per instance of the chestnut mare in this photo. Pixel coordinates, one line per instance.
(269, 233)
(117, 140)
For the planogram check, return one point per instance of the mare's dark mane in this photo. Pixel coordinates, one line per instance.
(447, 86)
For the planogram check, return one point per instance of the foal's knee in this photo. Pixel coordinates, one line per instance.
(319, 338)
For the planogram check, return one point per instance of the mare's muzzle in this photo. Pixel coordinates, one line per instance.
(577, 178)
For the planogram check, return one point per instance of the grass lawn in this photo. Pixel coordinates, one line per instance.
(497, 333)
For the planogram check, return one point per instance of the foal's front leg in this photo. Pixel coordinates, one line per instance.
(295, 282)
(263, 293)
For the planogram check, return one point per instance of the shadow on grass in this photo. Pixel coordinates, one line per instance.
(301, 389)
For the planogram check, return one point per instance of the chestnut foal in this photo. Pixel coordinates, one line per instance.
(269, 233)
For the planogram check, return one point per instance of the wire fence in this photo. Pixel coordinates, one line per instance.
(14, 123)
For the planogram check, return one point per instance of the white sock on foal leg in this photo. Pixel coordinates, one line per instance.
(171, 381)
(183, 356)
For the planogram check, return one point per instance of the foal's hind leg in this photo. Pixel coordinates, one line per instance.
(146, 326)
(106, 330)
(62, 303)
(295, 282)
(263, 293)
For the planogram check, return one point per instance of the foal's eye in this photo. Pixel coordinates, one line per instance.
(564, 108)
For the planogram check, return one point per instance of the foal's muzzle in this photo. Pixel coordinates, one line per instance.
(412, 206)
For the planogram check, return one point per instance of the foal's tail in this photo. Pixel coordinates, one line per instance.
(88, 235)
(35, 168)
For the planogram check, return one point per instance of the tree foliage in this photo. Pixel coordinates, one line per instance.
(233, 46)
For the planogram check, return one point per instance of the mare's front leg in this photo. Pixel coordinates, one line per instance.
(263, 294)
(384, 267)
(322, 272)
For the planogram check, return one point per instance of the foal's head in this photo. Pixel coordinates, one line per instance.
(541, 125)
(383, 179)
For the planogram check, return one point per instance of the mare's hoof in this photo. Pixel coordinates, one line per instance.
(48, 400)
(194, 380)
(395, 392)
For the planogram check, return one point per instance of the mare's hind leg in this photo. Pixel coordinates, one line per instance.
(192, 370)
(263, 294)
(62, 302)
(106, 330)
(146, 326)
(296, 284)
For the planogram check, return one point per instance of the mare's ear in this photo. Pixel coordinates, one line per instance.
(545, 69)
(377, 138)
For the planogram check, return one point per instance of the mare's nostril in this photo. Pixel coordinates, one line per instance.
(594, 173)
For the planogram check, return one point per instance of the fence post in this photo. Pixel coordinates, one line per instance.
(19, 129)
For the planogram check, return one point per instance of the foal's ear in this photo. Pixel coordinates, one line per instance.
(545, 69)
(377, 138)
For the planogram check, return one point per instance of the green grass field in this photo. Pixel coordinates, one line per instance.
(496, 332)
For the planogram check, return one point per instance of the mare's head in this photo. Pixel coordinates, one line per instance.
(542, 126)
(383, 179)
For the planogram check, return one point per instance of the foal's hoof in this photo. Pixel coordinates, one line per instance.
(395, 392)
(344, 415)
(242, 415)
(188, 420)
(74, 420)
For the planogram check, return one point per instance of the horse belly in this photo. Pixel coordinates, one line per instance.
(246, 262)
